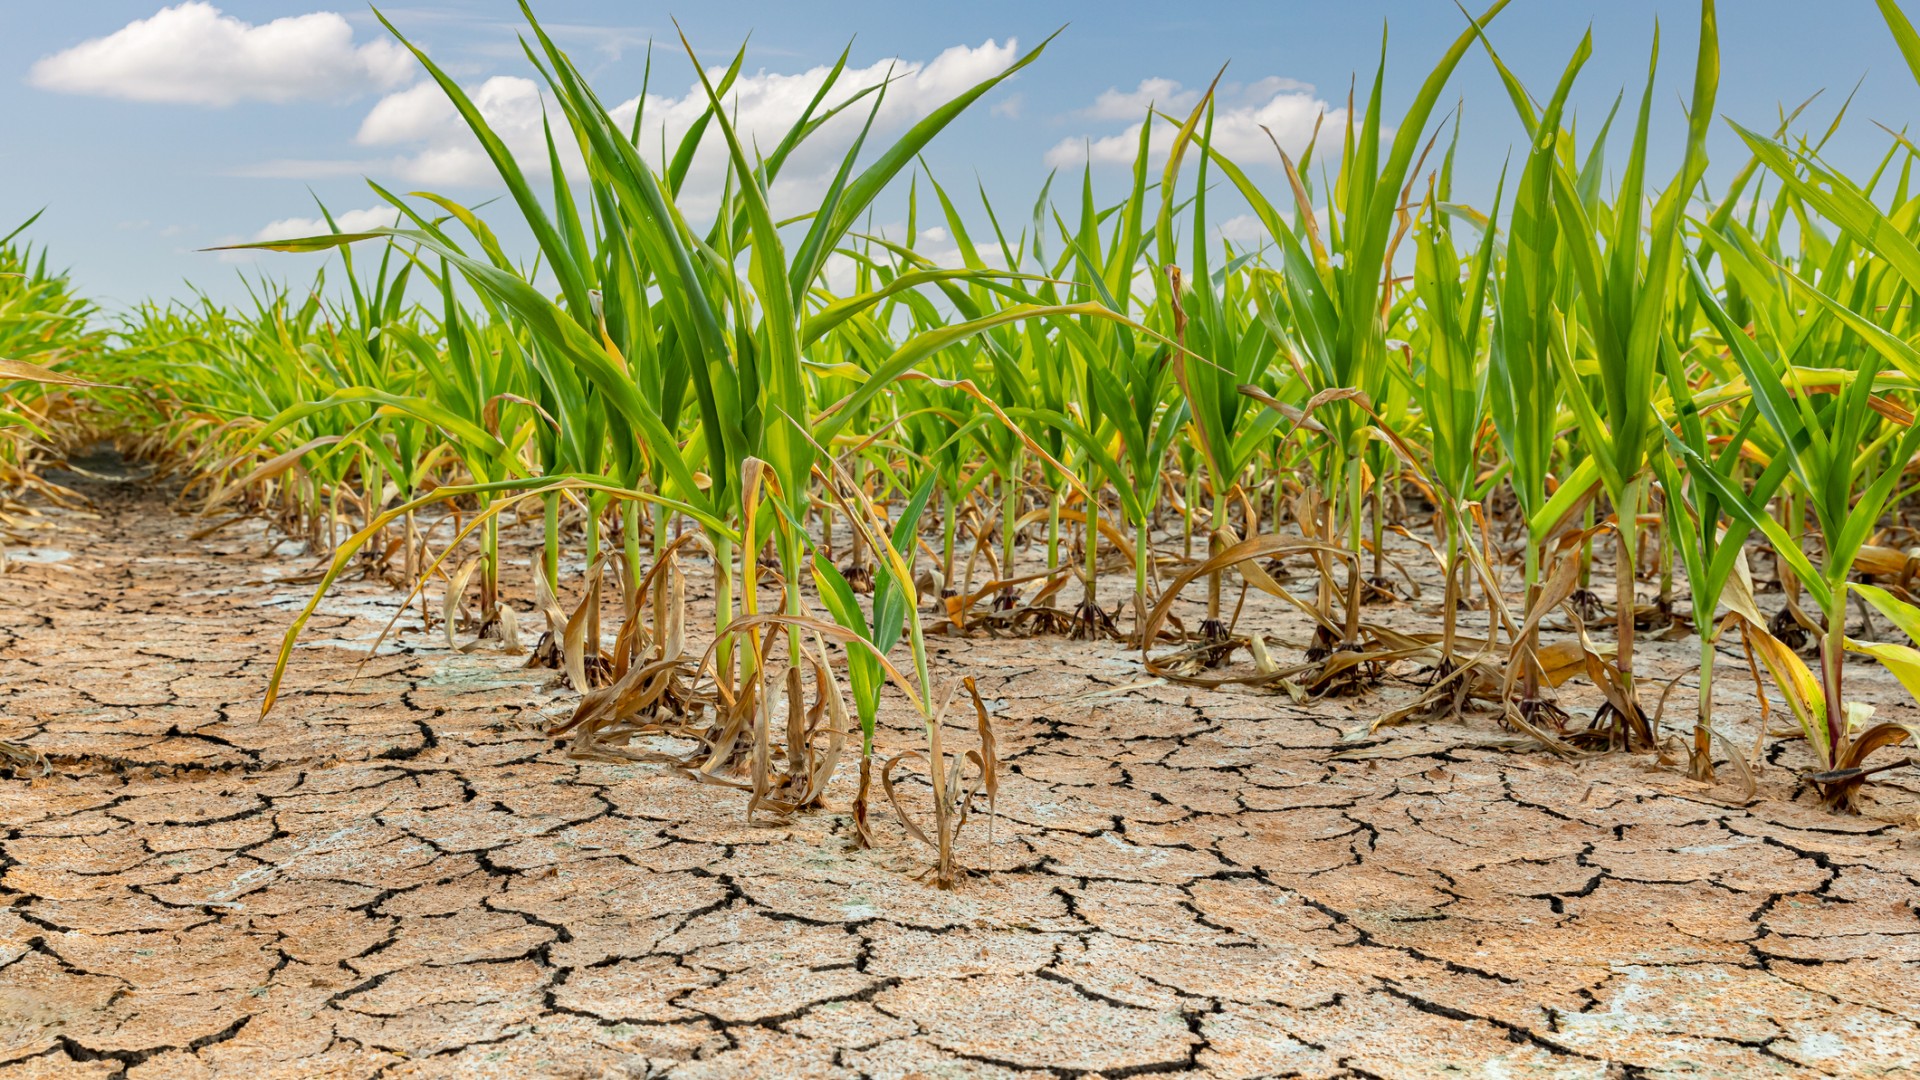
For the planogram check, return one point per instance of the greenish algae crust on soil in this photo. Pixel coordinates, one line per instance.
(398, 874)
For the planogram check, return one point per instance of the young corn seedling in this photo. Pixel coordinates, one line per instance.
(1451, 388)
(891, 609)
(1697, 476)
(1847, 449)
(1331, 297)
(1524, 384)
(1223, 363)
(1124, 423)
(1627, 291)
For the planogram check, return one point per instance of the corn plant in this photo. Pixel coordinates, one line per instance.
(44, 324)
(1627, 292)
(1227, 350)
(1452, 384)
(892, 606)
(1698, 477)
(1332, 292)
(1847, 449)
(1534, 287)
(1122, 419)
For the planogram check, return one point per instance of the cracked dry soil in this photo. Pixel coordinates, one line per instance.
(397, 874)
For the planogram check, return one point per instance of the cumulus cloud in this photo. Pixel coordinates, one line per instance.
(373, 217)
(1163, 94)
(1243, 116)
(1242, 231)
(435, 147)
(193, 54)
(293, 228)
(447, 154)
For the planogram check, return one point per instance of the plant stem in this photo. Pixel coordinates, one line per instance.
(1142, 551)
(1833, 657)
(723, 602)
(1448, 618)
(949, 525)
(1193, 503)
(1703, 720)
(1530, 677)
(1215, 523)
(1053, 530)
(594, 506)
(1009, 513)
(1090, 527)
(661, 595)
(1379, 526)
(550, 560)
(1627, 517)
(490, 564)
(1356, 494)
(630, 543)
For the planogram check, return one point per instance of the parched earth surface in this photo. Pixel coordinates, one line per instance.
(398, 874)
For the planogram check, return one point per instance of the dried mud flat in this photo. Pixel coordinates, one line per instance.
(397, 874)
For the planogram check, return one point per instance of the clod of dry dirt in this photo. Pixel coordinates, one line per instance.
(397, 874)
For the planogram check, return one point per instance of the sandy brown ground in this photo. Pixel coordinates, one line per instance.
(398, 874)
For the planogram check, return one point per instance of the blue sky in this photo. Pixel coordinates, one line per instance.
(149, 132)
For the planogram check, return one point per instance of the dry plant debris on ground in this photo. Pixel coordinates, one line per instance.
(398, 874)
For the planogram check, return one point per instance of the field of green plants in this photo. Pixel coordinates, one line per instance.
(1102, 418)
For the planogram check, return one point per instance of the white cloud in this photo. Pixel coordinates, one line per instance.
(1242, 231)
(437, 149)
(373, 217)
(840, 273)
(193, 54)
(1243, 116)
(1163, 94)
(422, 115)
(293, 228)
